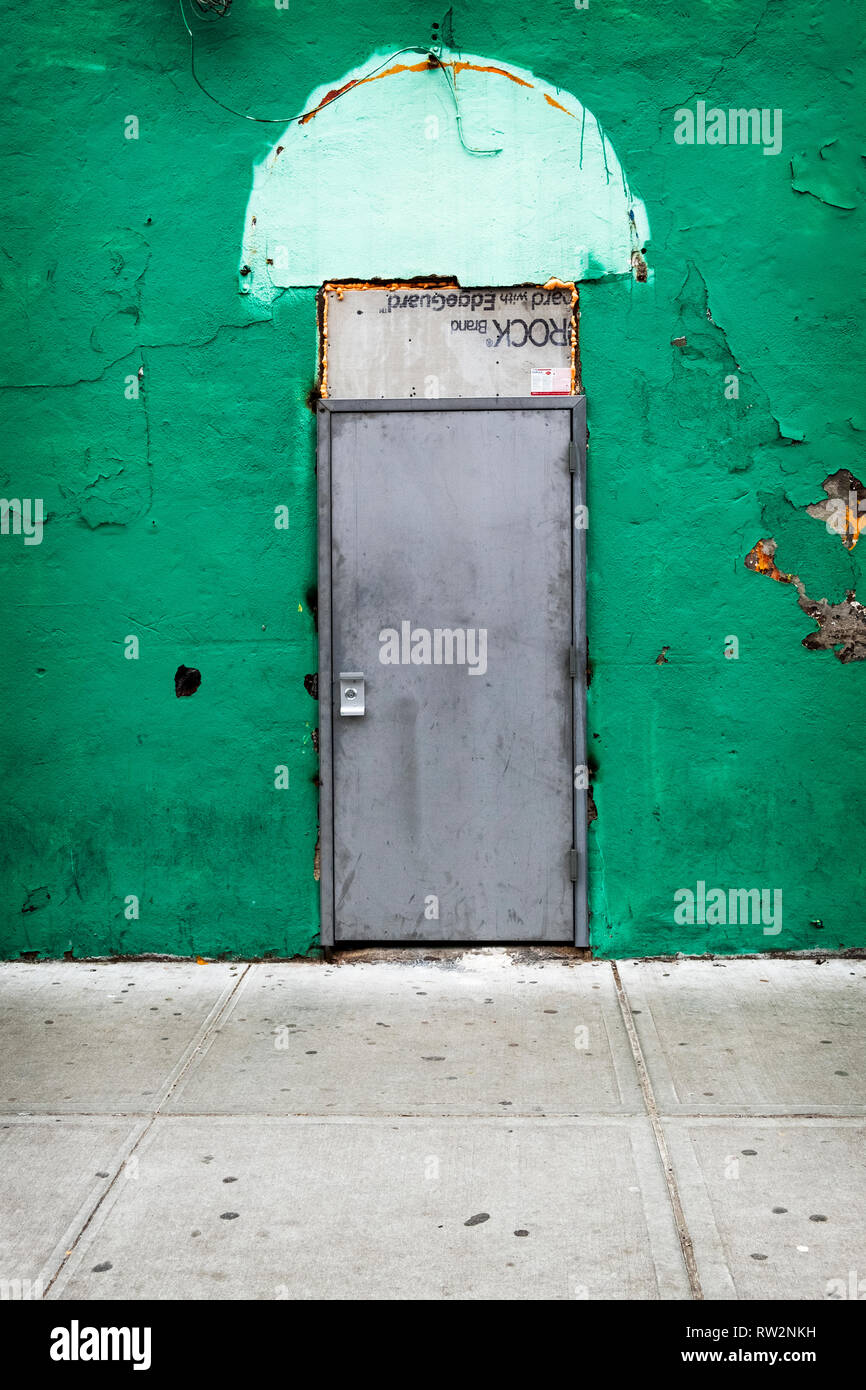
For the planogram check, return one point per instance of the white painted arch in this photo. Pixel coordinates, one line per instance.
(378, 183)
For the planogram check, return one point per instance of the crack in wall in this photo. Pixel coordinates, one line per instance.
(138, 350)
(702, 91)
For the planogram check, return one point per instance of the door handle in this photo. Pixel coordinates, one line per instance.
(351, 693)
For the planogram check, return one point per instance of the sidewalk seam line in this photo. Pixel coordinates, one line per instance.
(685, 1240)
(217, 1017)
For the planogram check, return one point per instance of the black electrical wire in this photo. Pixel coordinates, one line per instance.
(274, 120)
(287, 120)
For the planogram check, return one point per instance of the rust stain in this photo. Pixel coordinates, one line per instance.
(844, 509)
(424, 66)
(332, 96)
(323, 373)
(478, 67)
(760, 559)
(360, 82)
(554, 284)
(551, 102)
(436, 282)
(852, 525)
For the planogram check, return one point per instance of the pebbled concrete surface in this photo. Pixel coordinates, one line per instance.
(776, 1207)
(385, 1214)
(53, 1172)
(83, 1038)
(752, 1036)
(291, 1136)
(478, 1034)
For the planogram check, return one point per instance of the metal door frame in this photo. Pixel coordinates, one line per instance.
(326, 408)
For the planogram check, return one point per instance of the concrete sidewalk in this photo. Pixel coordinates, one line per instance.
(487, 1125)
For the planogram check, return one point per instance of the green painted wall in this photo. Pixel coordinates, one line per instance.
(122, 254)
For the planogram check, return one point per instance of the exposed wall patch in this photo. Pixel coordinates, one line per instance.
(761, 559)
(844, 512)
(841, 626)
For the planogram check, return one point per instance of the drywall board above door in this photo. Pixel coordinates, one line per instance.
(399, 341)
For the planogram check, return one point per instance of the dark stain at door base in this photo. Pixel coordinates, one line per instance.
(312, 597)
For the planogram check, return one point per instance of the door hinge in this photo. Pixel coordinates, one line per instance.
(572, 661)
(572, 457)
(572, 865)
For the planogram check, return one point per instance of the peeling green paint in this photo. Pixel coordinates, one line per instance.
(834, 174)
(143, 822)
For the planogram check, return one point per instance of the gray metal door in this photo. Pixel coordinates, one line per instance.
(451, 670)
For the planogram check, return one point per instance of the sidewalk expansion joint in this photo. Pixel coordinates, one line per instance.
(205, 1037)
(643, 1077)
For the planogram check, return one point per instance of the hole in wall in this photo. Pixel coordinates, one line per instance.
(186, 681)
